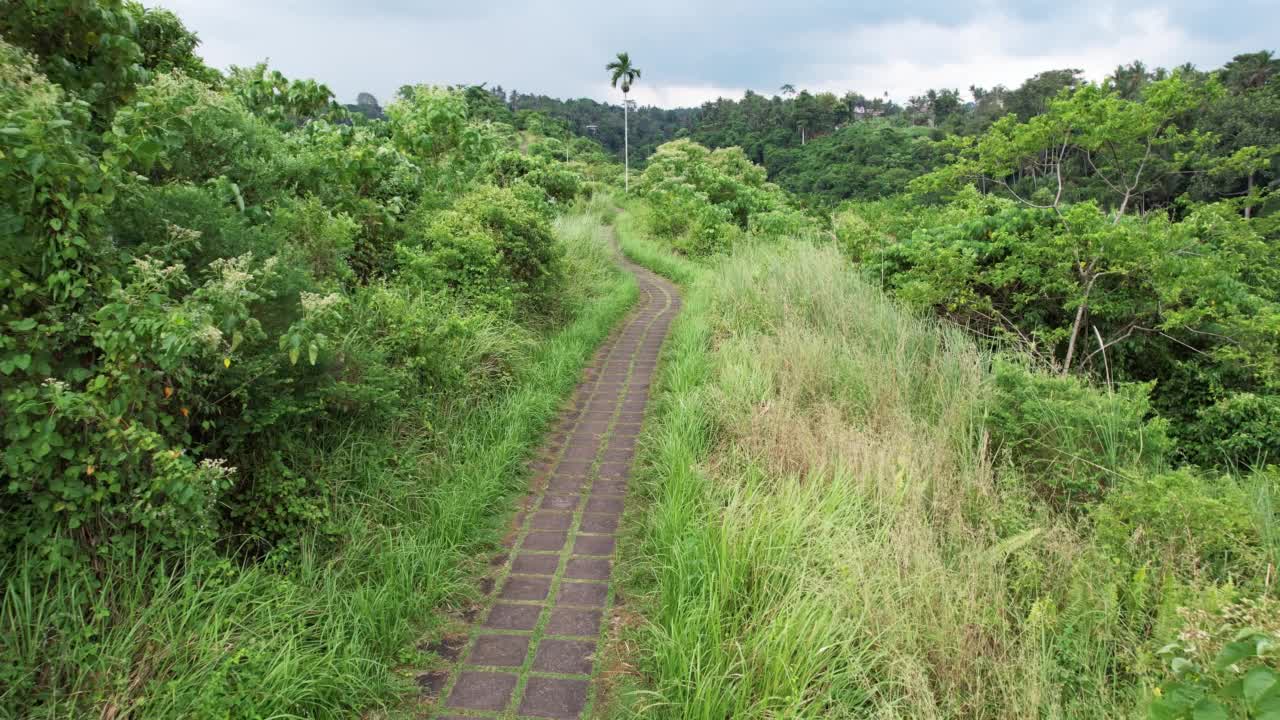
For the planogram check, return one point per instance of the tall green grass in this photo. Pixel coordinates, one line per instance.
(181, 635)
(642, 249)
(823, 535)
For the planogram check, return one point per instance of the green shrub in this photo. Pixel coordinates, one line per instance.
(181, 129)
(704, 200)
(1181, 522)
(1241, 430)
(1071, 441)
(494, 250)
(314, 237)
(780, 224)
(555, 179)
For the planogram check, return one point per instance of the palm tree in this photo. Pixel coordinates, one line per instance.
(787, 89)
(623, 72)
(1128, 80)
(1251, 70)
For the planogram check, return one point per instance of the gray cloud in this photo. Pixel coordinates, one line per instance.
(692, 51)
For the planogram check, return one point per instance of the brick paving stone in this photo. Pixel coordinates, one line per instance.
(604, 504)
(574, 468)
(554, 698)
(595, 426)
(482, 691)
(552, 520)
(505, 616)
(594, 545)
(615, 470)
(559, 502)
(526, 588)
(565, 657)
(499, 650)
(627, 440)
(587, 594)
(620, 451)
(579, 453)
(589, 568)
(609, 487)
(544, 541)
(566, 484)
(579, 622)
(535, 564)
(601, 421)
(599, 523)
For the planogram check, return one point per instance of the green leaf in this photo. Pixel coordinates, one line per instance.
(293, 356)
(313, 351)
(1234, 653)
(1257, 682)
(1208, 709)
(1268, 709)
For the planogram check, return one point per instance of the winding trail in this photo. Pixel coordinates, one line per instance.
(534, 655)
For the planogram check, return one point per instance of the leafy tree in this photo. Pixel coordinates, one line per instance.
(1090, 144)
(88, 47)
(1129, 80)
(284, 102)
(1250, 71)
(622, 72)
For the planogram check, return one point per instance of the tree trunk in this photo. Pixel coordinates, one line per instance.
(626, 145)
(1075, 333)
(1248, 208)
(1081, 314)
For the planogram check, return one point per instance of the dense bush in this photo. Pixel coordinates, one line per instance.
(1180, 522)
(491, 249)
(1188, 301)
(186, 294)
(704, 200)
(1071, 441)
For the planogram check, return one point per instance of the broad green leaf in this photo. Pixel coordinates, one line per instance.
(1257, 682)
(1208, 709)
(1234, 653)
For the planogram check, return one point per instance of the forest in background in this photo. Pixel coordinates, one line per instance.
(828, 148)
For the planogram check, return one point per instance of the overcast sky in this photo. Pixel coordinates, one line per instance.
(695, 50)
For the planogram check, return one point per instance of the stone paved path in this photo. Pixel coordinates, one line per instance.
(534, 654)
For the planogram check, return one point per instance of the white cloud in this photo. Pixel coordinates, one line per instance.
(913, 56)
(667, 96)
(698, 50)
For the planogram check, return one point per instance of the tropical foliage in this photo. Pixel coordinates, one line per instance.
(254, 355)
